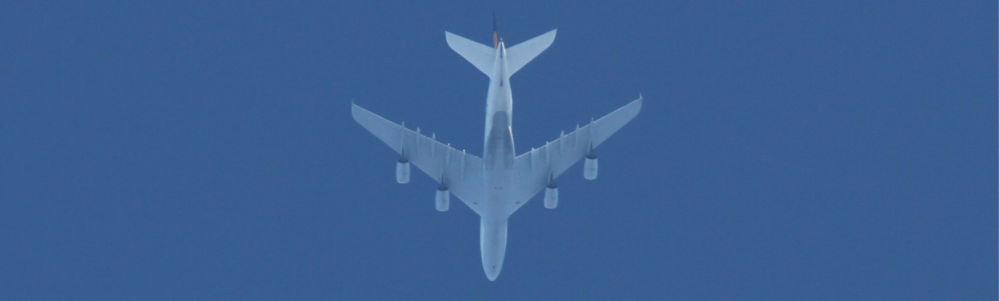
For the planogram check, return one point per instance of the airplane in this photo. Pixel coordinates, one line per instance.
(500, 182)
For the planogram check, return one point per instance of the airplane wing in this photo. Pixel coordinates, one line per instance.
(461, 172)
(535, 167)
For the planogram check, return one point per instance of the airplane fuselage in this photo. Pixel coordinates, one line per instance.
(498, 157)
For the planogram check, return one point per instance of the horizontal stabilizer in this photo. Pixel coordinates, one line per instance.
(481, 56)
(521, 54)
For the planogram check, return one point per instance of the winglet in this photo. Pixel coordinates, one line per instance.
(639, 101)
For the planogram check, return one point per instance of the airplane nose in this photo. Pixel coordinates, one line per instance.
(493, 271)
(493, 244)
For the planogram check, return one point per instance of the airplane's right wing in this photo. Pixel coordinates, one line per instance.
(461, 172)
(535, 167)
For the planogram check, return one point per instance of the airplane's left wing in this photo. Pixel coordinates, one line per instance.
(459, 171)
(536, 167)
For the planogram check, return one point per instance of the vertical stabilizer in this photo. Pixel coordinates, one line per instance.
(495, 32)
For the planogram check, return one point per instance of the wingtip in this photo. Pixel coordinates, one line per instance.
(450, 38)
(354, 109)
(638, 102)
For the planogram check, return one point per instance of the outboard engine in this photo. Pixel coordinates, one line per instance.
(590, 167)
(443, 198)
(551, 195)
(402, 171)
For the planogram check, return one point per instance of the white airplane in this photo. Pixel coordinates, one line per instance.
(500, 182)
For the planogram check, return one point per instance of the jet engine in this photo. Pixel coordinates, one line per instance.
(590, 167)
(551, 196)
(402, 171)
(443, 198)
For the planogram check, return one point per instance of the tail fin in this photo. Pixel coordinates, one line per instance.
(481, 56)
(521, 54)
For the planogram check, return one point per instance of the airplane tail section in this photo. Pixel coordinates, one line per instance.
(521, 54)
(481, 56)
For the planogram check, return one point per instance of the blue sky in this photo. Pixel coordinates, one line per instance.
(786, 150)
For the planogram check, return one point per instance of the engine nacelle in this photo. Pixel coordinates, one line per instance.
(590, 167)
(551, 196)
(402, 171)
(443, 199)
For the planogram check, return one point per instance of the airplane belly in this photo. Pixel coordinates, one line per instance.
(499, 151)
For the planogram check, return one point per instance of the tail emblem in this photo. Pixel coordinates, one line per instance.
(495, 32)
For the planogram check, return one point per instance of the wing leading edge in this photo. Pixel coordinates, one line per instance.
(459, 171)
(537, 166)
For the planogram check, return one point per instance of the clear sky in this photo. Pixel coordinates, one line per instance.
(801, 150)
